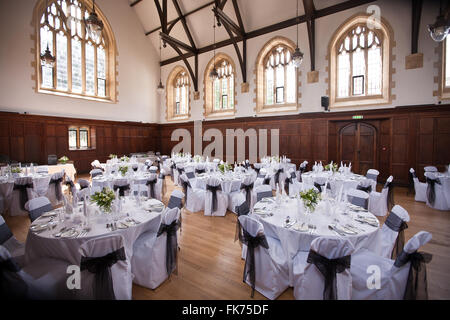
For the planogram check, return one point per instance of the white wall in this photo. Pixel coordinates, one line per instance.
(138, 68)
(412, 87)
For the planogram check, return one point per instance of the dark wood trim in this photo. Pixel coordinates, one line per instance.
(416, 14)
(135, 3)
(185, 26)
(275, 27)
(175, 42)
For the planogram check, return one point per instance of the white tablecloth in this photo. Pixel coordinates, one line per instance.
(44, 245)
(230, 182)
(336, 180)
(69, 169)
(107, 181)
(294, 241)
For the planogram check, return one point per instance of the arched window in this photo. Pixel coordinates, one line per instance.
(276, 77)
(84, 67)
(360, 63)
(181, 88)
(177, 94)
(220, 93)
(444, 74)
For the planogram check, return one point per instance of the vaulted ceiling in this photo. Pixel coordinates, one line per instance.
(195, 27)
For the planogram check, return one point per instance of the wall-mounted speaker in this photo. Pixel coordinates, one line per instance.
(325, 101)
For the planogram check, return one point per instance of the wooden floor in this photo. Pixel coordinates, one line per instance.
(210, 267)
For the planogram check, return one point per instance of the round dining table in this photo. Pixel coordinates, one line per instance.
(57, 234)
(336, 180)
(287, 220)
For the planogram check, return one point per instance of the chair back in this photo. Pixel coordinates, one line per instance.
(42, 169)
(263, 191)
(392, 235)
(5, 232)
(358, 198)
(105, 267)
(52, 159)
(37, 207)
(430, 169)
(176, 199)
(372, 174)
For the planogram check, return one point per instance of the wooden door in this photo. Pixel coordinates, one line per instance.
(358, 145)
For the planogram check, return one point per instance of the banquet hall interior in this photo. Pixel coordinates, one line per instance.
(225, 149)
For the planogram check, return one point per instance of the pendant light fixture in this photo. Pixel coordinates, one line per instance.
(94, 25)
(297, 56)
(47, 59)
(213, 75)
(439, 29)
(160, 88)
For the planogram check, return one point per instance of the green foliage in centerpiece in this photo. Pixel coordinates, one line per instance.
(224, 166)
(113, 156)
(125, 159)
(310, 198)
(104, 199)
(276, 158)
(123, 170)
(63, 160)
(197, 158)
(16, 170)
(334, 167)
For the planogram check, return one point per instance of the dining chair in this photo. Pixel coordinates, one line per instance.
(379, 202)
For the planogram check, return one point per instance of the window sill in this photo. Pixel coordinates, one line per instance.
(74, 95)
(220, 113)
(359, 101)
(180, 117)
(279, 108)
(81, 149)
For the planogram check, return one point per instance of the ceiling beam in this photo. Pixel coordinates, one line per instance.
(135, 3)
(227, 21)
(238, 16)
(185, 26)
(174, 21)
(277, 26)
(416, 13)
(310, 11)
(178, 43)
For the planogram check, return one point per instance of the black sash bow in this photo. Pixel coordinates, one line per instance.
(319, 186)
(256, 169)
(135, 169)
(71, 185)
(390, 197)
(171, 245)
(241, 210)
(329, 268)
(367, 189)
(277, 175)
(416, 287)
(252, 243)
(101, 267)
(5, 233)
(12, 286)
(301, 169)
(246, 165)
(287, 182)
(213, 190)
(23, 196)
(431, 192)
(185, 185)
(151, 183)
(395, 223)
(266, 180)
(199, 171)
(122, 189)
(57, 185)
(248, 192)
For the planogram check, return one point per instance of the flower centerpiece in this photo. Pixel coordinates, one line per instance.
(125, 159)
(333, 166)
(16, 170)
(276, 158)
(123, 170)
(198, 158)
(224, 167)
(104, 199)
(310, 199)
(63, 160)
(113, 156)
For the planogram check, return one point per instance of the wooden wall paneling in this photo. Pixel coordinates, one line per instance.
(441, 154)
(4, 138)
(400, 147)
(425, 145)
(17, 142)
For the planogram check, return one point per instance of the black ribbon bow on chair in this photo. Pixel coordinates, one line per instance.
(241, 210)
(395, 223)
(246, 165)
(266, 180)
(135, 169)
(185, 185)
(101, 267)
(152, 184)
(248, 192)
(122, 189)
(416, 287)
(57, 185)
(213, 190)
(431, 192)
(367, 189)
(199, 171)
(301, 169)
(252, 243)
(287, 182)
(71, 185)
(277, 175)
(171, 245)
(256, 169)
(23, 194)
(172, 167)
(329, 268)
(319, 186)
(12, 286)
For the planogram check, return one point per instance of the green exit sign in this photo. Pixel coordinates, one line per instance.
(357, 117)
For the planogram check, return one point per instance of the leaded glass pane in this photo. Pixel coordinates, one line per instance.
(61, 61)
(83, 138)
(90, 83)
(269, 86)
(72, 138)
(447, 63)
(76, 66)
(290, 83)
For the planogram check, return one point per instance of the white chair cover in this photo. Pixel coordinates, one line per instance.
(120, 271)
(271, 266)
(420, 188)
(373, 174)
(294, 185)
(310, 284)
(176, 199)
(148, 263)
(96, 164)
(38, 206)
(378, 200)
(16, 206)
(42, 169)
(263, 191)
(392, 279)
(195, 198)
(430, 169)
(358, 198)
(95, 172)
(222, 199)
(54, 192)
